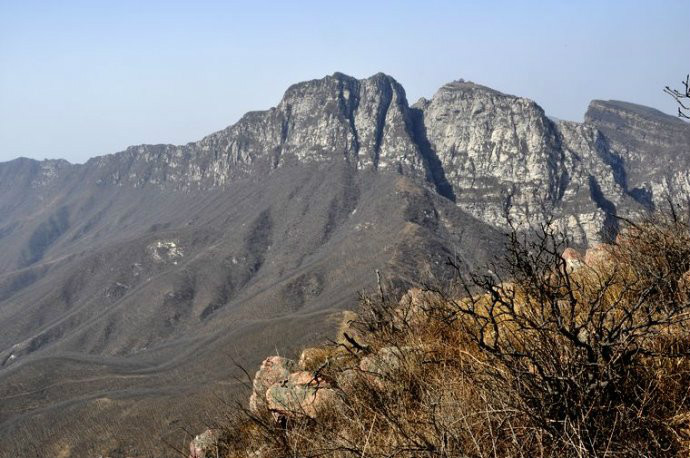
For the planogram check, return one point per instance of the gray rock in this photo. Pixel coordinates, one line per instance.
(273, 370)
(204, 445)
(507, 161)
(301, 394)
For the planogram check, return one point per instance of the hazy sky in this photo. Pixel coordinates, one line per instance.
(79, 79)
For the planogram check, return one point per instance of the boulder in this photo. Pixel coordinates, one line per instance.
(273, 369)
(302, 394)
(573, 258)
(388, 360)
(205, 445)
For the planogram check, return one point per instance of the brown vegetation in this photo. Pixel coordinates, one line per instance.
(587, 359)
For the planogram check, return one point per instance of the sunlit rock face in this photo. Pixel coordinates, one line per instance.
(507, 162)
(365, 122)
(650, 150)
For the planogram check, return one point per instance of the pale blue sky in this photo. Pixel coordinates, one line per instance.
(79, 79)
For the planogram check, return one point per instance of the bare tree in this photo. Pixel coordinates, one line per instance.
(682, 97)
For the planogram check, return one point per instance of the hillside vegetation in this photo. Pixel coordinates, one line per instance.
(558, 355)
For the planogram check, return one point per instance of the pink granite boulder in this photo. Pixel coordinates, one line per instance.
(273, 369)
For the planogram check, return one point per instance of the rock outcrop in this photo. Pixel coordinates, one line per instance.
(204, 445)
(302, 394)
(280, 388)
(273, 370)
(506, 161)
(365, 122)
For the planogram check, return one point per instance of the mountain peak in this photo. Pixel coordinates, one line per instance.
(337, 83)
(651, 143)
(366, 120)
(465, 85)
(602, 108)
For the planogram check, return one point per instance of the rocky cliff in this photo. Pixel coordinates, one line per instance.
(507, 161)
(366, 122)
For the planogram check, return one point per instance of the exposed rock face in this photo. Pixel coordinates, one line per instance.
(301, 394)
(506, 160)
(204, 445)
(366, 122)
(489, 144)
(280, 387)
(498, 156)
(274, 370)
(650, 150)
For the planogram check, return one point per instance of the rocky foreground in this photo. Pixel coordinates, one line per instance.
(303, 397)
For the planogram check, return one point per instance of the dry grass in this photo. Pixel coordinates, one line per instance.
(592, 361)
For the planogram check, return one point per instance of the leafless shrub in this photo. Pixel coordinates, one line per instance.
(594, 355)
(552, 361)
(682, 98)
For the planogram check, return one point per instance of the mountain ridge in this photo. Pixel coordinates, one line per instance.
(234, 148)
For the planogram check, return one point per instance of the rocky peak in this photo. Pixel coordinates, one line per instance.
(650, 148)
(364, 122)
(507, 161)
(497, 150)
(623, 121)
(23, 172)
(471, 89)
(617, 113)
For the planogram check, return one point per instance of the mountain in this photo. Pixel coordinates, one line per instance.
(506, 160)
(130, 284)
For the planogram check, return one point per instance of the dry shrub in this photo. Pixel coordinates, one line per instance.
(592, 361)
